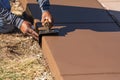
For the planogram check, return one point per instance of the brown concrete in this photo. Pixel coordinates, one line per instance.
(82, 3)
(84, 49)
(23, 2)
(93, 77)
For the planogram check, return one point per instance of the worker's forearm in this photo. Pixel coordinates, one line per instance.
(10, 18)
(44, 4)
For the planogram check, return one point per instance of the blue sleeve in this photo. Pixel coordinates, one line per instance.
(10, 18)
(44, 4)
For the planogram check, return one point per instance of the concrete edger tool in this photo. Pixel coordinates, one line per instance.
(46, 30)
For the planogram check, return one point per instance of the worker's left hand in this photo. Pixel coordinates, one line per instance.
(47, 15)
(27, 29)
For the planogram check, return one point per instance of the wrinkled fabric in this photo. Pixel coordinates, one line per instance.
(5, 4)
(44, 4)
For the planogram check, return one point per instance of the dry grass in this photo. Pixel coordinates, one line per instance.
(21, 59)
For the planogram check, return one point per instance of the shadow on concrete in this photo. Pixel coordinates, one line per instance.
(102, 27)
(77, 18)
(71, 14)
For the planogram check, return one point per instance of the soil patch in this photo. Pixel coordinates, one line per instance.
(21, 58)
(20, 55)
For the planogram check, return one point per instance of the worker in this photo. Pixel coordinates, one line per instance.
(21, 24)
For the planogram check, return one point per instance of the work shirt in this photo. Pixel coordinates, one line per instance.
(13, 19)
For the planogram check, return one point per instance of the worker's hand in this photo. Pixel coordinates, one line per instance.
(26, 29)
(48, 16)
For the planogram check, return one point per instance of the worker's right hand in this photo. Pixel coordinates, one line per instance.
(27, 29)
(47, 16)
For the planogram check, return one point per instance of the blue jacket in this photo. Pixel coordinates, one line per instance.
(13, 19)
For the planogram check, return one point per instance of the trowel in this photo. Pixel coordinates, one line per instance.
(46, 30)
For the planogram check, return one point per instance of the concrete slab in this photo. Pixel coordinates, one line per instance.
(113, 7)
(93, 77)
(66, 11)
(88, 44)
(108, 0)
(83, 49)
(78, 3)
(23, 2)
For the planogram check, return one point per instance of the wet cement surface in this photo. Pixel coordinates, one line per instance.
(87, 48)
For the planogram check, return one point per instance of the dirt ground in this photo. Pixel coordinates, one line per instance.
(21, 58)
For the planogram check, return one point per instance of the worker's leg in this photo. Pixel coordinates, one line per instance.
(5, 4)
(4, 27)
